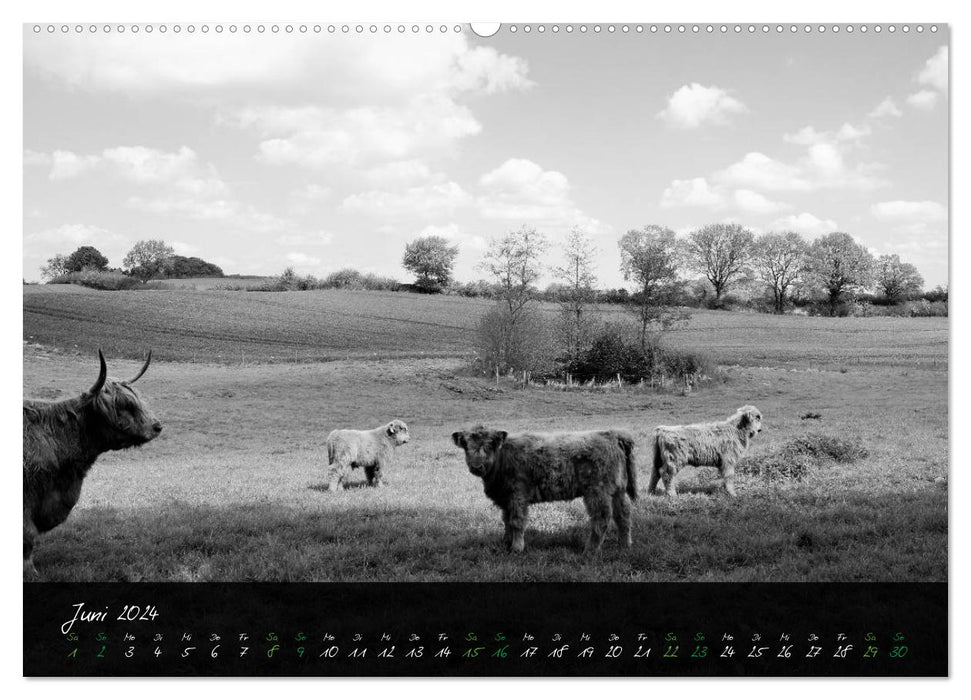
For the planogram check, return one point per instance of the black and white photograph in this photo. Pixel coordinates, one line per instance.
(517, 304)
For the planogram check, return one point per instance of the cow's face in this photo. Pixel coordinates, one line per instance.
(398, 431)
(481, 448)
(127, 420)
(750, 420)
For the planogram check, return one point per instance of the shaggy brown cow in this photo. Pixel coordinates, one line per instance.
(518, 470)
(63, 439)
(371, 449)
(718, 444)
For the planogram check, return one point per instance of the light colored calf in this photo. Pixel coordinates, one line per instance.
(720, 444)
(370, 449)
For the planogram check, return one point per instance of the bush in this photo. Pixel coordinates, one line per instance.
(614, 353)
(803, 455)
(923, 307)
(479, 288)
(347, 278)
(525, 345)
(107, 280)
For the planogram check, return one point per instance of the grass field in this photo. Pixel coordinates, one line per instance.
(248, 385)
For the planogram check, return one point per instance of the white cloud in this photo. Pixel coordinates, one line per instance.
(149, 165)
(755, 203)
(452, 232)
(907, 211)
(520, 191)
(399, 172)
(759, 171)
(35, 158)
(302, 260)
(183, 248)
(887, 108)
(66, 238)
(318, 137)
(923, 99)
(804, 223)
(808, 136)
(320, 238)
(65, 164)
(425, 201)
(696, 192)
(823, 167)
(934, 72)
(695, 105)
(356, 68)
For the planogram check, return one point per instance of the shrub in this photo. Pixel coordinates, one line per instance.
(106, 280)
(347, 278)
(923, 308)
(613, 352)
(479, 288)
(379, 283)
(523, 345)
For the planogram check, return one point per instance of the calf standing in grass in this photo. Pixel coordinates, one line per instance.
(63, 439)
(518, 470)
(371, 449)
(720, 444)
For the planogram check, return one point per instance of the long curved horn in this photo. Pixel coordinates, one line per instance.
(96, 389)
(142, 371)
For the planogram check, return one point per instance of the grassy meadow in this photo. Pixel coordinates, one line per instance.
(249, 384)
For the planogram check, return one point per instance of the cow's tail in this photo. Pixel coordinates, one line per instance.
(626, 442)
(655, 464)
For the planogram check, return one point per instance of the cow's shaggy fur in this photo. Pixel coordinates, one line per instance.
(63, 439)
(518, 470)
(720, 444)
(371, 449)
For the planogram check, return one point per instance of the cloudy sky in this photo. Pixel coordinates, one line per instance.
(323, 151)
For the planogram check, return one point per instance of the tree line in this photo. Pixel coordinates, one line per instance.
(148, 259)
(834, 267)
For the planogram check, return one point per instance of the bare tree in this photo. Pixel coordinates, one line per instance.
(897, 280)
(840, 266)
(651, 257)
(781, 260)
(514, 262)
(577, 290)
(720, 252)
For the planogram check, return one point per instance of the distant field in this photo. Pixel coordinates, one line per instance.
(212, 282)
(206, 325)
(233, 489)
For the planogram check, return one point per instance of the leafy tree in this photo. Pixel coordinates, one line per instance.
(576, 288)
(780, 260)
(840, 266)
(86, 258)
(54, 268)
(897, 280)
(651, 257)
(179, 266)
(720, 252)
(431, 258)
(148, 259)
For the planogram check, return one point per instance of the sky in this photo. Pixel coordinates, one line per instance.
(322, 151)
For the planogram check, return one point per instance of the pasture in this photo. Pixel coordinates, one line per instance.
(249, 384)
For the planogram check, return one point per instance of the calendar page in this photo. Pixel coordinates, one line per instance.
(449, 349)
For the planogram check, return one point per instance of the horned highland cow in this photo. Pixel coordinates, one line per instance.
(719, 444)
(519, 470)
(62, 440)
(371, 449)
